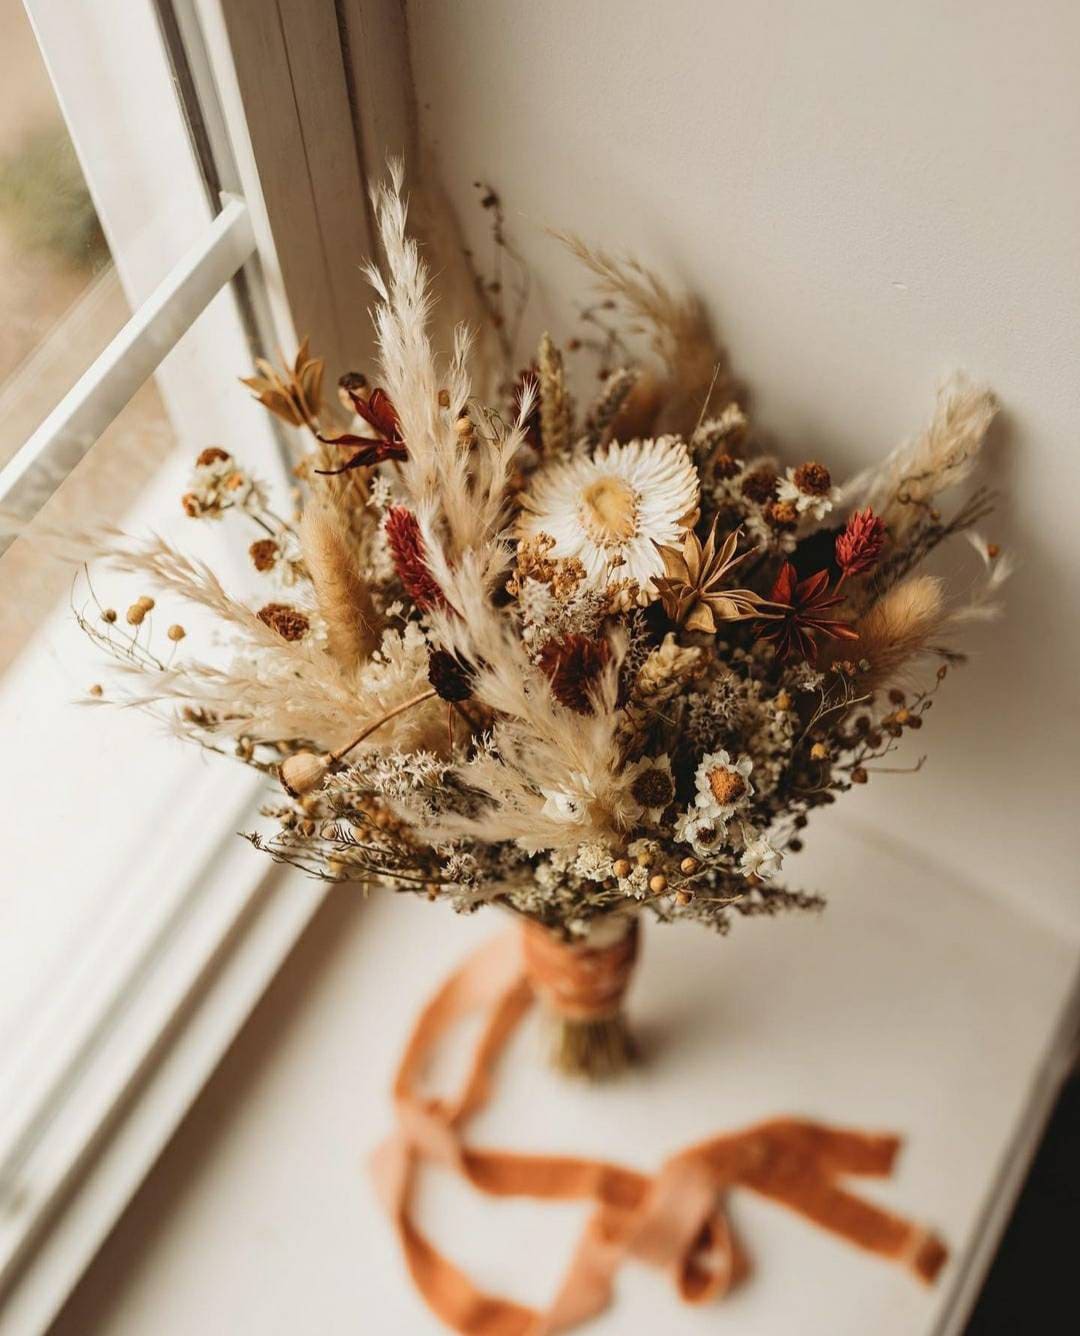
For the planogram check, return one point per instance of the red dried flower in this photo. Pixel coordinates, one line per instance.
(860, 544)
(572, 663)
(378, 411)
(803, 608)
(407, 549)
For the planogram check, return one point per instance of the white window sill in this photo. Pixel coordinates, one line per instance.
(916, 1003)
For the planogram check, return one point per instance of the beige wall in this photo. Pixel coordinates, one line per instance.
(868, 195)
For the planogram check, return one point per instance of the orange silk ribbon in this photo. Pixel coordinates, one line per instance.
(673, 1220)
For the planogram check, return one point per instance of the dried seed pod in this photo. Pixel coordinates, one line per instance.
(302, 772)
(176, 632)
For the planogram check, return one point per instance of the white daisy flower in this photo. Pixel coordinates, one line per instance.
(760, 859)
(809, 489)
(703, 832)
(650, 787)
(570, 804)
(613, 509)
(723, 785)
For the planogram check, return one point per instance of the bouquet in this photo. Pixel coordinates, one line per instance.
(581, 665)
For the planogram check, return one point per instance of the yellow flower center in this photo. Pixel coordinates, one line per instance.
(609, 510)
(726, 787)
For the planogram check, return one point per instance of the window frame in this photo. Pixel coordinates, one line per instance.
(104, 1095)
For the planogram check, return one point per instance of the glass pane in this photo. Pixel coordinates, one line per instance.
(102, 793)
(62, 297)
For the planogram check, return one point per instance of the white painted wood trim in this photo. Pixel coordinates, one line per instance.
(130, 359)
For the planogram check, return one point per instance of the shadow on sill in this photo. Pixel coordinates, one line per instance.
(1034, 1271)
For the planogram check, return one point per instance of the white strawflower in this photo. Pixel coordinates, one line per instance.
(760, 859)
(611, 510)
(704, 833)
(723, 785)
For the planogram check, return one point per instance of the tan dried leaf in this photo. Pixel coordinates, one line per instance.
(692, 586)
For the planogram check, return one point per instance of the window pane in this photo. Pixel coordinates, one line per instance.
(103, 795)
(62, 297)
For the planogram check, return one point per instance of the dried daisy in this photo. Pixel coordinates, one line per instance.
(614, 511)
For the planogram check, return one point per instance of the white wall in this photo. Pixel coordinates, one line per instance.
(868, 195)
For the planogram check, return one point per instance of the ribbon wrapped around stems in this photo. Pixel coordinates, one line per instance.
(673, 1219)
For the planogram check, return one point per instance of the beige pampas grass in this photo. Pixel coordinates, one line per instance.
(456, 482)
(698, 382)
(902, 488)
(342, 595)
(898, 628)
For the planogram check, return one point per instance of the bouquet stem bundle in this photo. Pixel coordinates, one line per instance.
(582, 988)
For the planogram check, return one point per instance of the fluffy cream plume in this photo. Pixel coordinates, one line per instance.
(296, 690)
(457, 479)
(342, 594)
(898, 628)
(900, 489)
(678, 329)
(544, 755)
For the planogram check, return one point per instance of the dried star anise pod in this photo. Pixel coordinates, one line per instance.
(806, 611)
(691, 588)
(295, 394)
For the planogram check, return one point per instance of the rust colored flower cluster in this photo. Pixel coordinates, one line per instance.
(289, 623)
(410, 561)
(804, 609)
(859, 546)
(573, 664)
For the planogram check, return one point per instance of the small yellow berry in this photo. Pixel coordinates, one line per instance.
(783, 700)
(902, 716)
(658, 883)
(688, 866)
(683, 897)
(621, 867)
(176, 632)
(97, 689)
(135, 615)
(819, 752)
(146, 601)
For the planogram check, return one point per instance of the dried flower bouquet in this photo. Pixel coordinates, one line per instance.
(579, 665)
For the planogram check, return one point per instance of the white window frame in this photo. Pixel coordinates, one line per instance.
(142, 1022)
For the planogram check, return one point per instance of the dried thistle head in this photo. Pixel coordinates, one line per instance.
(293, 394)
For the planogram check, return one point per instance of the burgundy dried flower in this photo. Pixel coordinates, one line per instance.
(407, 549)
(289, 623)
(378, 411)
(860, 544)
(572, 663)
(451, 678)
(803, 615)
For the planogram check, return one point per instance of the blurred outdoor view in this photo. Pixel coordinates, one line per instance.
(60, 304)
